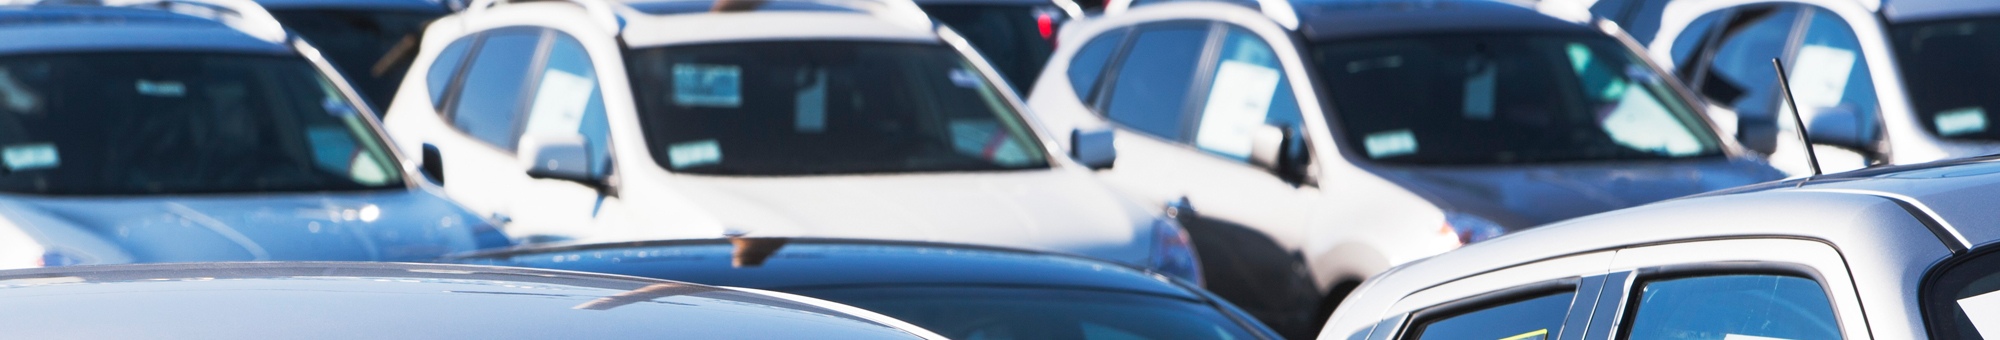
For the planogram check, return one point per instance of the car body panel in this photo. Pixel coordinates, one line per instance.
(1524, 196)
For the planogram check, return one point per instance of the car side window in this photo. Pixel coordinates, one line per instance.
(1840, 78)
(568, 101)
(1088, 65)
(489, 102)
(1537, 317)
(1155, 78)
(1740, 73)
(1697, 35)
(445, 69)
(1731, 307)
(1248, 90)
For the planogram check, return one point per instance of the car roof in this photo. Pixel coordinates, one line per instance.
(822, 262)
(1339, 20)
(1899, 11)
(681, 22)
(67, 28)
(371, 5)
(389, 300)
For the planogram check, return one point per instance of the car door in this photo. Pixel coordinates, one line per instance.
(1730, 289)
(1553, 299)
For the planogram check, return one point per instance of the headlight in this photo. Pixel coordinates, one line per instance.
(1472, 228)
(1173, 252)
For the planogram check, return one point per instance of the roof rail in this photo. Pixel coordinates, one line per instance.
(243, 15)
(600, 11)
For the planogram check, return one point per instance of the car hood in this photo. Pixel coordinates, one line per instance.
(399, 225)
(1519, 197)
(1045, 210)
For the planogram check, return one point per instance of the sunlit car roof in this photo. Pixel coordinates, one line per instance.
(1925, 10)
(59, 28)
(670, 7)
(1332, 20)
(769, 26)
(413, 5)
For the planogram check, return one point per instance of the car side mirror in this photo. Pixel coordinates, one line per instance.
(1270, 148)
(1842, 127)
(563, 157)
(432, 164)
(1757, 133)
(1093, 147)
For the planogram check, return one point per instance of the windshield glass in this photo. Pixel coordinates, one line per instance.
(372, 49)
(1016, 39)
(1949, 70)
(159, 123)
(798, 108)
(1004, 313)
(1505, 99)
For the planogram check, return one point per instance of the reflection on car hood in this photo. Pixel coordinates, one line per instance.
(392, 225)
(1524, 196)
(1044, 210)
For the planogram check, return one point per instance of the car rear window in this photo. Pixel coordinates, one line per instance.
(1962, 298)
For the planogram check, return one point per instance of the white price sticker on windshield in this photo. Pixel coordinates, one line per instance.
(1961, 121)
(1390, 144)
(23, 157)
(693, 154)
(708, 85)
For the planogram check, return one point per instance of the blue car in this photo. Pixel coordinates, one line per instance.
(197, 131)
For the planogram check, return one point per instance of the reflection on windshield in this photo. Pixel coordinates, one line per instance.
(372, 49)
(1502, 99)
(824, 108)
(158, 123)
(998, 313)
(1949, 68)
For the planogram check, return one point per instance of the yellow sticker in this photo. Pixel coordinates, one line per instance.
(1537, 334)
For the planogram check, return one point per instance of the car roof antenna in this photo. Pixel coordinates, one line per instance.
(1785, 84)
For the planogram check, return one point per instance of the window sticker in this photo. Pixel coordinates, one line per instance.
(1237, 105)
(333, 148)
(161, 88)
(1479, 91)
(1639, 122)
(809, 115)
(965, 78)
(1984, 311)
(1390, 144)
(24, 157)
(365, 170)
(693, 154)
(560, 103)
(707, 85)
(1824, 81)
(1961, 121)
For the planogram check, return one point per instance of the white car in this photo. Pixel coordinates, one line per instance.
(595, 121)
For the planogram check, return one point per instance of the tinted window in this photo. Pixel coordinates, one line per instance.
(1733, 306)
(1640, 18)
(1693, 39)
(1963, 301)
(1839, 78)
(1017, 40)
(373, 49)
(1249, 90)
(567, 100)
(1154, 80)
(489, 101)
(1505, 98)
(1002, 313)
(799, 108)
(443, 70)
(1088, 64)
(1536, 318)
(1740, 74)
(1950, 70)
(132, 123)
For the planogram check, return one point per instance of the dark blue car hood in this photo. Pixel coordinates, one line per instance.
(1523, 196)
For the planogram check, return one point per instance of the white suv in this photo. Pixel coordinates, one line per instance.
(602, 121)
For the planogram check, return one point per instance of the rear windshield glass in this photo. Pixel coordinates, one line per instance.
(1950, 70)
(160, 123)
(803, 108)
(1962, 302)
(1505, 99)
(372, 49)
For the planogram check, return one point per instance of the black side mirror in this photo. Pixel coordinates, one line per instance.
(432, 164)
(1094, 148)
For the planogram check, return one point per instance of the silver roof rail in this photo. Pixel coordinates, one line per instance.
(243, 15)
(602, 12)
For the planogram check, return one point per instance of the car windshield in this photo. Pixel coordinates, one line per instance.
(373, 49)
(1962, 301)
(1505, 99)
(131, 123)
(1016, 39)
(1026, 313)
(1949, 68)
(802, 108)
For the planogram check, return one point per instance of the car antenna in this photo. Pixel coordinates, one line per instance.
(1785, 84)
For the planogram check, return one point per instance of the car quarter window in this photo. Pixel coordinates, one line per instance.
(489, 102)
(1740, 74)
(1961, 300)
(1735, 306)
(1156, 75)
(1248, 89)
(568, 101)
(1533, 317)
(1088, 65)
(1841, 81)
(445, 69)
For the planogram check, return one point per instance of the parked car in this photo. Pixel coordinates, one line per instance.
(592, 121)
(332, 300)
(1309, 146)
(1880, 82)
(370, 41)
(1015, 36)
(179, 131)
(959, 291)
(1904, 252)
(1638, 18)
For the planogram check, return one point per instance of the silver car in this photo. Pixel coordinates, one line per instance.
(1894, 253)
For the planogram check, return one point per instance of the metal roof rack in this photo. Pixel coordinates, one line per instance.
(603, 12)
(243, 15)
